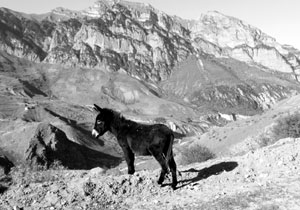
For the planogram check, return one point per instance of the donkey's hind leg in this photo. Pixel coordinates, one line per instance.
(173, 169)
(162, 161)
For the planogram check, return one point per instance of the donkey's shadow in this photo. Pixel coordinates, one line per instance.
(207, 172)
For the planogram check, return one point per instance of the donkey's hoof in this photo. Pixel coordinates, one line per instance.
(160, 182)
(130, 172)
(174, 186)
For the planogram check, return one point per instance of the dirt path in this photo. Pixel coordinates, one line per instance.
(265, 179)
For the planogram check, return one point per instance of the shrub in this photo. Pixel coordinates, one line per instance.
(89, 187)
(264, 140)
(288, 126)
(195, 154)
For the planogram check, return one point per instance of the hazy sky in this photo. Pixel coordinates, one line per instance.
(278, 18)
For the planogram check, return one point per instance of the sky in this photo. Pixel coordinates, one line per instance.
(277, 18)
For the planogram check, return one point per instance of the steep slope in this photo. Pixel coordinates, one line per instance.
(227, 85)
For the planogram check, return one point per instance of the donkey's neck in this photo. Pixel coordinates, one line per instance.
(119, 124)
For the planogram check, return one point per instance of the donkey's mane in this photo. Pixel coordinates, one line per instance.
(119, 120)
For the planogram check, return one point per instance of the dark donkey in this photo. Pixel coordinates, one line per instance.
(133, 137)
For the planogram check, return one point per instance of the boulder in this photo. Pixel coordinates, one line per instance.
(50, 145)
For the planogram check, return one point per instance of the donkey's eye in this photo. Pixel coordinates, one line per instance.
(99, 122)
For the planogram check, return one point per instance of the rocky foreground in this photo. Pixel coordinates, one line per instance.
(267, 178)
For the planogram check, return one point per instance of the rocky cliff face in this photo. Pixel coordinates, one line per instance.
(226, 36)
(133, 37)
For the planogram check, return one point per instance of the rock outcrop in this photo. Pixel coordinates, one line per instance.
(50, 144)
(51, 147)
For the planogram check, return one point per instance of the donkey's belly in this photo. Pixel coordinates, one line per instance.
(142, 152)
(137, 147)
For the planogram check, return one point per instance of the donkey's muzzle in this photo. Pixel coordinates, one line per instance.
(95, 133)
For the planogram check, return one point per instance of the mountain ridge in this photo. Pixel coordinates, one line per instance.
(250, 38)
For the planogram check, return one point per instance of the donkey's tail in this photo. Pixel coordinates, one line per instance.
(169, 151)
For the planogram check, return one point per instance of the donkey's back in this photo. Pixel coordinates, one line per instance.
(141, 138)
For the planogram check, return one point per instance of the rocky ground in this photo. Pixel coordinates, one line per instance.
(267, 178)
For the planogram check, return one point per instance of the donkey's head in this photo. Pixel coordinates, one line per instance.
(102, 122)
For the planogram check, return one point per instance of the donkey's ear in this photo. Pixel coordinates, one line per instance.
(97, 108)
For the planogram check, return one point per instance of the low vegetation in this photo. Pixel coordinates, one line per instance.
(264, 140)
(285, 127)
(195, 153)
(25, 174)
(288, 126)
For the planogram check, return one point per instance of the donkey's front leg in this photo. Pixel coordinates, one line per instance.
(129, 157)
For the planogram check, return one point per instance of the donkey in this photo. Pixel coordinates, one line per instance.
(135, 138)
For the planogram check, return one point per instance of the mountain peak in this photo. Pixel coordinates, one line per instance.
(101, 3)
(226, 31)
(100, 6)
(215, 17)
(214, 13)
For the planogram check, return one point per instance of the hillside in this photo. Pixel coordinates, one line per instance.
(227, 85)
(32, 94)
